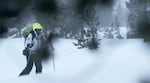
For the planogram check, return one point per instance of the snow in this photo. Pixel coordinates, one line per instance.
(123, 32)
(116, 61)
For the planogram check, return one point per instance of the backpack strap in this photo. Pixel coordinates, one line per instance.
(33, 35)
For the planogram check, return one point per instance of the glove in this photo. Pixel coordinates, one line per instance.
(26, 52)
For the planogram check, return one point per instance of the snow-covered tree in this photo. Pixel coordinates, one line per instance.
(88, 36)
(115, 28)
(138, 18)
(108, 33)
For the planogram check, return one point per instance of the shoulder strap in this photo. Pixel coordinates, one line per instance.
(33, 35)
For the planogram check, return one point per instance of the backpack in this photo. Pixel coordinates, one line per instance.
(27, 31)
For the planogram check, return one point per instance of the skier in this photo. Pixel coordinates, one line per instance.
(33, 42)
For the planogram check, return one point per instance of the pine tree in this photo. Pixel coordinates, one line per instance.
(138, 18)
(88, 36)
(115, 27)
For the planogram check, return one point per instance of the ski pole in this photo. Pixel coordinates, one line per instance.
(53, 61)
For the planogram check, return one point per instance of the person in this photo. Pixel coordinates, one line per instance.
(33, 42)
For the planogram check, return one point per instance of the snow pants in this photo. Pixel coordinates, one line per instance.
(30, 61)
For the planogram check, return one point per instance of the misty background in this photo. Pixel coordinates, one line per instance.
(58, 15)
(67, 18)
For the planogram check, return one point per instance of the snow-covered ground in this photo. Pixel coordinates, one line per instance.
(116, 61)
(104, 34)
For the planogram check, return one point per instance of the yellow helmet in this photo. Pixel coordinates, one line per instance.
(37, 26)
